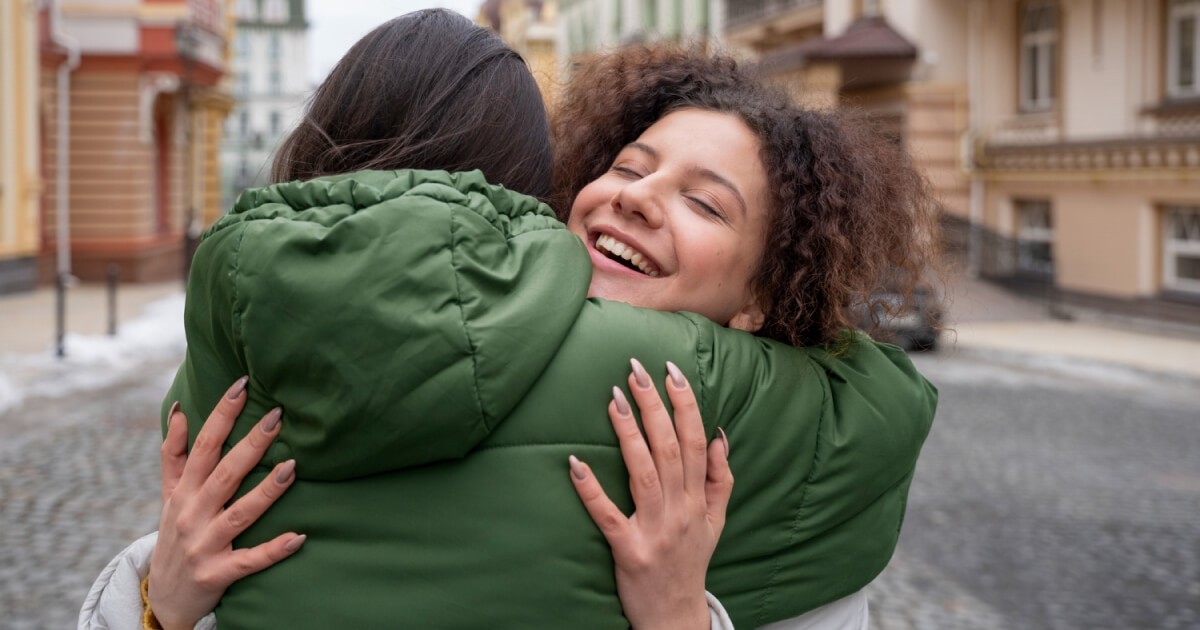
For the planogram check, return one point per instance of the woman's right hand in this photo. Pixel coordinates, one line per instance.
(194, 560)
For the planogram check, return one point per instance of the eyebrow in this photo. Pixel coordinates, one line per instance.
(704, 173)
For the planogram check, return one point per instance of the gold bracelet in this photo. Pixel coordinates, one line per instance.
(149, 621)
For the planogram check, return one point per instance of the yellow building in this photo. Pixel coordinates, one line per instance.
(1063, 136)
(146, 106)
(20, 152)
(530, 27)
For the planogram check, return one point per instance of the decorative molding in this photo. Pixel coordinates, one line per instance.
(1126, 154)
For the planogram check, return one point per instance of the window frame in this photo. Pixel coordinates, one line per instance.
(1173, 248)
(1027, 234)
(1046, 74)
(1178, 11)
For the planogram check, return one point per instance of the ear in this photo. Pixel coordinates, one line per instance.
(749, 319)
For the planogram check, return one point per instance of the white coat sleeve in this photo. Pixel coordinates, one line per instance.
(849, 613)
(115, 600)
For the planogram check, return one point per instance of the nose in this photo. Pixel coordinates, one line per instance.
(638, 201)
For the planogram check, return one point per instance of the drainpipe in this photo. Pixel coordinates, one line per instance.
(63, 165)
(975, 19)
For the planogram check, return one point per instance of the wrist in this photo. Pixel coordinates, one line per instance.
(692, 614)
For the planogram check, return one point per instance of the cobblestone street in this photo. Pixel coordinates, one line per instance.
(78, 481)
(1047, 497)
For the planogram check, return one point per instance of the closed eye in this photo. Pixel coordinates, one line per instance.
(628, 172)
(708, 209)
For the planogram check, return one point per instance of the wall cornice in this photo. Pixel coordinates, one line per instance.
(1122, 155)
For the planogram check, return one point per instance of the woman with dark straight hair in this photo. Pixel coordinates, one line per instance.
(445, 348)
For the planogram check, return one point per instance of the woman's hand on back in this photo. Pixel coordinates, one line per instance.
(194, 560)
(680, 485)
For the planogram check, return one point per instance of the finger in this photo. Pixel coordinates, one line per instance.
(243, 562)
(605, 514)
(719, 485)
(206, 450)
(644, 484)
(173, 451)
(660, 432)
(242, 458)
(248, 509)
(689, 428)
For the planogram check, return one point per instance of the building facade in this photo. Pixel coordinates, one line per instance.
(530, 27)
(20, 147)
(270, 84)
(130, 169)
(586, 26)
(1062, 136)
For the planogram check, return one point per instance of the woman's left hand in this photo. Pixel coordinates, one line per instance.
(680, 485)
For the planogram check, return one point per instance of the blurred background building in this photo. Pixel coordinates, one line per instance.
(586, 26)
(112, 114)
(531, 28)
(270, 83)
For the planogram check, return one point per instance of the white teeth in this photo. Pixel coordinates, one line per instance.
(617, 248)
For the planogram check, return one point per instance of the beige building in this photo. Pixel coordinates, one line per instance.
(145, 105)
(530, 27)
(1066, 132)
(20, 150)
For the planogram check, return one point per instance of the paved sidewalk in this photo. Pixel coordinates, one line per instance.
(988, 320)
(29, 318)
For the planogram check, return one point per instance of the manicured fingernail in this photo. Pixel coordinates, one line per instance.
(237, 389)
(295, 543)
(286, 471)
(174, 410)
(622, 402)
(271, 420)
(676, 375)
(577, 468)
(639, 374)
(724, 440)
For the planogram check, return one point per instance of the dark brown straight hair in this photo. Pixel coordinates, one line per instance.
(427, 90)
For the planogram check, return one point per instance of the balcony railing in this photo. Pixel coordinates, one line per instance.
(742, 12)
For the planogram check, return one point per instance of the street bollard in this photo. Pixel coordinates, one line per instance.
(113, 274)
(60, 297)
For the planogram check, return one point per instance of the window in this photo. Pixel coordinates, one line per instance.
(650, 16)
(241, 45)
(242, 88)
(273, 47)
(1035, 238)
(1039, 55)
(274, 124)
(1183, 48)
(243, 123)
(275, 11)
(1181, 249)
(245, 10)
(274, 85)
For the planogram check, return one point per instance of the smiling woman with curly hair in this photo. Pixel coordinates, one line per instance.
(850, 214)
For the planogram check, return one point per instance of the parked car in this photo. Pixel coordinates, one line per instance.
(913, 326)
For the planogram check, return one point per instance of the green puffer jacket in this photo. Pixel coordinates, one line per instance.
(431, 342)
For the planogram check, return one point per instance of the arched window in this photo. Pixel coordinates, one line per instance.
(1039, 55)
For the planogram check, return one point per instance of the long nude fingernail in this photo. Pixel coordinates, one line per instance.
(577, 468)
(286, 471)
(639, 374)
(271, 420)
(724, 440)
(173, 410)
(622, 402)
(676, 375)
(237, 389)
(295, 543)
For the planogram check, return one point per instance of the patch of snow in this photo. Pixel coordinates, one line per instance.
(93, 362)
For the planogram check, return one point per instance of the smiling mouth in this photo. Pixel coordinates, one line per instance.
(625, 255)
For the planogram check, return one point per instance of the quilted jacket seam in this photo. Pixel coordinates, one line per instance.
(463, 318)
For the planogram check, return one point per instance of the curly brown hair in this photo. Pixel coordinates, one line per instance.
(850, 213)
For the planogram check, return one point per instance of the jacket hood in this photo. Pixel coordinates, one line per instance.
(396, 316)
